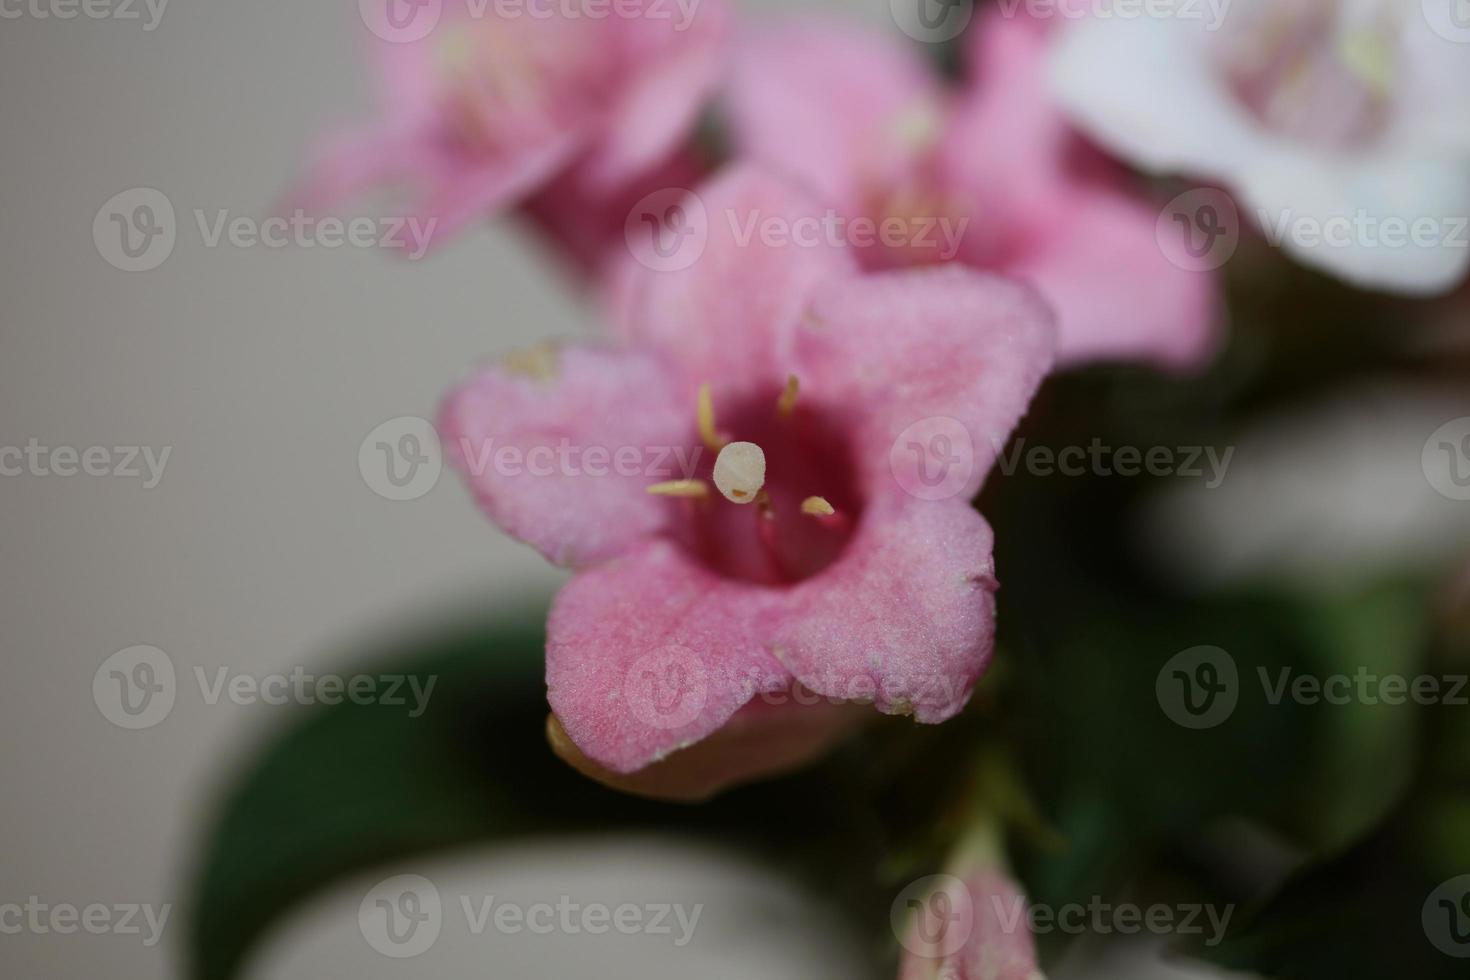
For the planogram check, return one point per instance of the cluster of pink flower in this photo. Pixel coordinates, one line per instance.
(741, 608)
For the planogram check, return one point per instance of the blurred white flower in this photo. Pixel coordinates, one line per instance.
(1339, 124)
(1327, 498)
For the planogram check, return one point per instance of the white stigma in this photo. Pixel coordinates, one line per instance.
(740, 472)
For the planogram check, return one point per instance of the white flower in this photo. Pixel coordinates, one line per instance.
(1340, 125)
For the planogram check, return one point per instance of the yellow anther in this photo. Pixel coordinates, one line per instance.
(539, 363)
(707, 432)
(817, 507)
(786, 404)
(694, 489)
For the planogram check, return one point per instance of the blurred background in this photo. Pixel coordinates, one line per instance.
(261, 372)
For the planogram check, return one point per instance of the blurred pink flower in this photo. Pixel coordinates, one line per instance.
(494, 102)
(854, 572)
(988, 174)
(972, 924)
(1339, 124)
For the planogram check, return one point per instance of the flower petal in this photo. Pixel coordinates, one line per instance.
(652, 652)
(728, 315)
(947, 345)
(560, 452)
(442, 188)
(844, 109)
(1356, 218)
(905, 618)
(647, 122)
(760, 741)
(1116, 294)
(1143, 87)
(1007, 146)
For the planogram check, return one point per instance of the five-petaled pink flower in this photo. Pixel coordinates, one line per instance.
(495, 101)
(989, 174)
(824, 542)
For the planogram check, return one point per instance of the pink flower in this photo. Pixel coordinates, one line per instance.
(989, 175)
(971, 928)
(969, 924)
(495, 100)
(785, 451)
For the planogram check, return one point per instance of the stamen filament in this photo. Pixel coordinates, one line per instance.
(708, 434)
(693, 489)
(786, 404)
